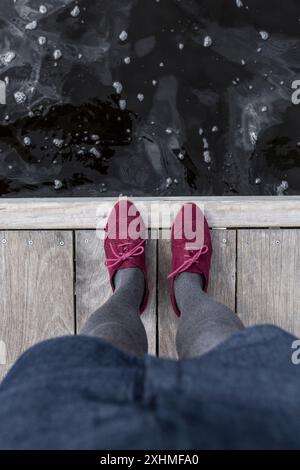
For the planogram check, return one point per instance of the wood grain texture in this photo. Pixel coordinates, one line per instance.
(223, 268)
(93, 287)
(90, 213)
(221, 286)
(268, 288)
(36, 289)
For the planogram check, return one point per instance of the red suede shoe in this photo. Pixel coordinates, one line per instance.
(191, 246)
(124, 243)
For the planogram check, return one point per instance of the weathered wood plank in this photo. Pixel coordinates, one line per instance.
(90, 213)
(223, 269)
(93, 287)
(167, 320)
(268, 288)
(36, 289)
(221, 287)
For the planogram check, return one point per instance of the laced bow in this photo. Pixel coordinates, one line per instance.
(125, 253)
(191, 259)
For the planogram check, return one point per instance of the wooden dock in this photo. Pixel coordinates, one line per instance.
(52, 275)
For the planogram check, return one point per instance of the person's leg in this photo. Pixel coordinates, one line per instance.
(204, 323)
(118, 320)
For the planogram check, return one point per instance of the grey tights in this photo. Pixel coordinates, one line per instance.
(203, 324)
(118, 320)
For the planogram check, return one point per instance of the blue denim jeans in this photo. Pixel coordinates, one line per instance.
(82, 393)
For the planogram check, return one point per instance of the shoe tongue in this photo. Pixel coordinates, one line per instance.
(193, 246)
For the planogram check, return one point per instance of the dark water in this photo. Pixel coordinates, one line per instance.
(189, 119)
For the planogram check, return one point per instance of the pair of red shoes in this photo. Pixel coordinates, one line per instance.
(124, 244)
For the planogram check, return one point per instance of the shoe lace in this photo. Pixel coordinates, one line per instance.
(124, 253)
(192, 258)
